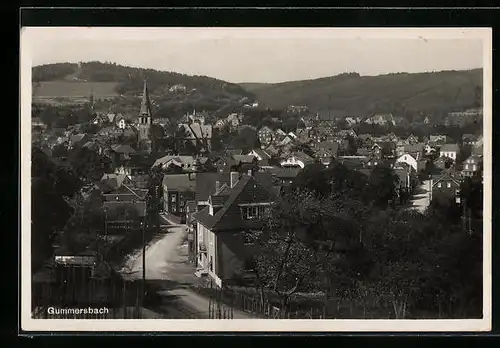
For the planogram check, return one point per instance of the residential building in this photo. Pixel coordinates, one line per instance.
(177, 190)
(409, 160)
(298, 159)
(449, 150)
(438, 139)
(472, 165)
(186, 163)
(265, 135)
(198, 134)
(445, 185)
(381, 120)
(240, 206)
(261, 155)
(469, 139)
(411, 140)
(463, 118)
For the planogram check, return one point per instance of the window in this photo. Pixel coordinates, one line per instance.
(247, 238)
(448, 185)
(254, 212)
(173, 198)
(211, 263)
(439, 185)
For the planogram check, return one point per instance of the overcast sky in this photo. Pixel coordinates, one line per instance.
(263, 54)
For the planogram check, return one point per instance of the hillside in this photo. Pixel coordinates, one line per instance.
(108, 80)
(253, 86)
(352, 94)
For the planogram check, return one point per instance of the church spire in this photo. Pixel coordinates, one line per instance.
(146, 103)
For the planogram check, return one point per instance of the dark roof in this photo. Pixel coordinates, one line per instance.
(119, 148)
(180, 182)
(446, 175)
(205, 184)
(246, 190)
(330, 146)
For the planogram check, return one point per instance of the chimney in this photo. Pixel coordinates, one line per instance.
(217, 186)
(234, 176)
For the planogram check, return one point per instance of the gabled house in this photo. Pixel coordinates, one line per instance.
(441, 163)
(472, 165)
(120, 122)
(177, 190)
(411, 140)
(449, 151)
(446, 185)
(224, 249)
(415, 150)
(409, 160)
(198, 134)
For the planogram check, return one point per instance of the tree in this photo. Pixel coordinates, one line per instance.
(312, 178)
(382, 185)
(246, 139)
(352, 147)
(88, 164)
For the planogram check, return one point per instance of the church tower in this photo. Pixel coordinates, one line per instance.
(145, 122)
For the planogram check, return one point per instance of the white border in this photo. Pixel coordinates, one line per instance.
(148, 325)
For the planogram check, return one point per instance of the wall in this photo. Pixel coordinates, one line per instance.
(232, 253)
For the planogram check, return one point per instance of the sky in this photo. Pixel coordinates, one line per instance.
(262, 54)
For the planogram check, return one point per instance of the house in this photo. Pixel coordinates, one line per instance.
(445, 185)
(191, 210)
(345, 133)
(411, 140)
(224, 249)
(469, 139)
(198, 134)
(472, 165)
(409, 160)
(298, 159)
(233, 120)
(463, 118)
(449, 150)
(381, 120)
(76, 140)
(265, 135)
(327, 147)
(120, 153)
(351, 121)
(438, 139)
(353, 162)
(177, 190)
(429, 149)
(427, 120)
(441, 163)
(272, 150)
(125, 207)
(288, 139)
(110, 182)
(261, 155)
(415, 150)
(186, 163)
(391, 137)
(120, 122)
(220, 123)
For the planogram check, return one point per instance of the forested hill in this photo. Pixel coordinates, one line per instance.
(352, 94)
(130, 80)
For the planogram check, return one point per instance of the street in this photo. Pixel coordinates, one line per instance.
(170, 274)
(421, 198)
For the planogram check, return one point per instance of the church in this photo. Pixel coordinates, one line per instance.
(145, 141)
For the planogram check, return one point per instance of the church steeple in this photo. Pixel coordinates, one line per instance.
(146, 102)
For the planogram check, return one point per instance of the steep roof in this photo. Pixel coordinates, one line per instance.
(243, 158)
(120, 148)
(446, 175)
(180, 159)
(205, 184)
(414, 148)
(330, 146)
(146, 102)
(247, 190)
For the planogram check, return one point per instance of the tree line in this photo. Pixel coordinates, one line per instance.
(339, 239)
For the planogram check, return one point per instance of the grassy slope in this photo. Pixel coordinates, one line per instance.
(355, 95)
(65, 88)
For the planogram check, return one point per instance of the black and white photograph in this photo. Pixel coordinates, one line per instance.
(336, 179)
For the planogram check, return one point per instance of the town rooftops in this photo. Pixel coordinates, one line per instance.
(186, 161)
(413, 148)
(448, 174)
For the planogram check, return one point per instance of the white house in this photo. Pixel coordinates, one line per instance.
(408, 159)
(449, 151)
